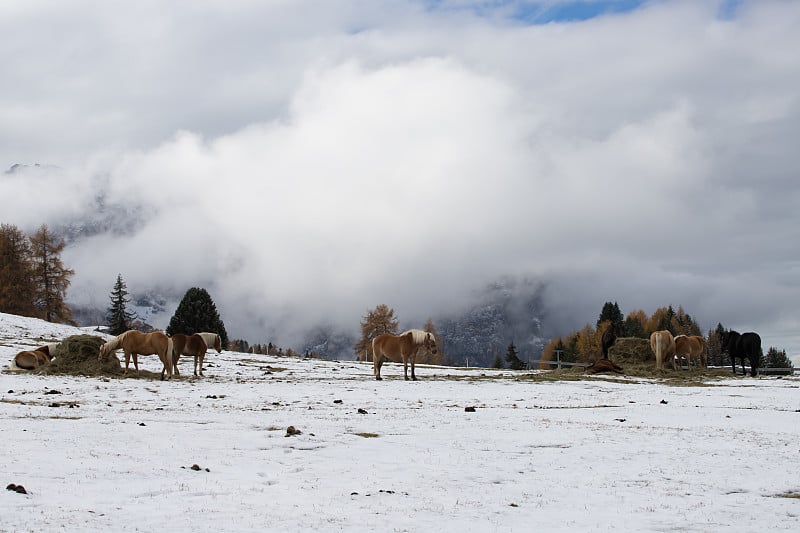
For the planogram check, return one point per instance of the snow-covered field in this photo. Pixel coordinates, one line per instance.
(595, 455)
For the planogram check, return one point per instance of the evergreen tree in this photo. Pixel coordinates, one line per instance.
(16, 274)
(118, 318)
(611, 313)
(776, 358)
(50, 277)
(514, 362)
(197, 313)
(498, 361)
(378, 321)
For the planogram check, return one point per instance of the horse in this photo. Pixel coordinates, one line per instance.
(136, 343)
(743, 345)
(609, 338)
(663, 345)
(603, 365)
(693, 348)
(404, 346)
(193, 345)
(32, 359)
(212, 340)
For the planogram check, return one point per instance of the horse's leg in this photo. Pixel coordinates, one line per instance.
(405, 367)
(136, 362)
(202, 357)
(377, 362)
(413, 362)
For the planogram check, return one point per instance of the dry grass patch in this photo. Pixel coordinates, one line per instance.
(367, 435)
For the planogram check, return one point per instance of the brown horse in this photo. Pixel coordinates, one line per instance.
(603, 365)
(193, 345)
(608, 339)
(212, 340)
(388, 347)
(136, 343)
(693, 348)
(32, 359)
(663, 345)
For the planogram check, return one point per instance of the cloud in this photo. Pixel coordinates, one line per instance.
(312, 169)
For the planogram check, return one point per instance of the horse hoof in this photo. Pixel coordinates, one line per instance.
(378, 378)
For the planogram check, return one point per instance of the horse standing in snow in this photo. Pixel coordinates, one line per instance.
(136, 343)
(663, 345)
(401, 347)
(193, 345)
(741, 345)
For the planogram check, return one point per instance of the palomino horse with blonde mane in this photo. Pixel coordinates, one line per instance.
(693, 348)
(388, 347)
(32, 359)
(212, 340)
(136, 343)
(663, 345)
(193, 345)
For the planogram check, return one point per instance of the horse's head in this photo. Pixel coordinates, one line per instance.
(430, 343)
(104, 351)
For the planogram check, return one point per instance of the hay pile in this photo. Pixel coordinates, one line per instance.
(77, 356)
(631, 350)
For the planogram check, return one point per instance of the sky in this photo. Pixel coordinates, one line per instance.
(601, 453)
(307, 161)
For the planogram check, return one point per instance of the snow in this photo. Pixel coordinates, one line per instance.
(593, 455)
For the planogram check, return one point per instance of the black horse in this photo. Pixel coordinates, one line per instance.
(743, 345)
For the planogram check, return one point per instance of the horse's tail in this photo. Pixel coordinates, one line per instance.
(169, 356)
(376, 346)
(659, 351)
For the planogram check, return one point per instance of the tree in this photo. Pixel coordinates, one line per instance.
(50, 277)
(498, 361)
(197, 313)
(439, 358)
(16, 274)
(610, 313)
(378, 321)
(776, 358)
(118, 318)
(514, 362)
(635, 324)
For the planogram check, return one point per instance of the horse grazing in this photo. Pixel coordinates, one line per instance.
(404, 346)
(693, 348)
(32, 359)
(136, 343)
(663, 345)
(193, 345)
(212, 340)
(608, 340)
(743, 345)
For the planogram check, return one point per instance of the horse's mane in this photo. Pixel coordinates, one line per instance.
(418, 335)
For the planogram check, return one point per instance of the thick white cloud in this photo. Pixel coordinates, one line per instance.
(330, 157)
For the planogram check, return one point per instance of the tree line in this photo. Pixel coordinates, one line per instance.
(33, 279)
(584, 345)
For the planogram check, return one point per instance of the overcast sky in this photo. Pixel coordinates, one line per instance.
(308, 160)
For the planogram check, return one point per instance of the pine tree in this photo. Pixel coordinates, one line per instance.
(50, 277)
(378, 321)
(498, 361)
(197, 313)
(119, 319)
(611, 313)
(776, 358)
(514, 362)
(16, 274)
